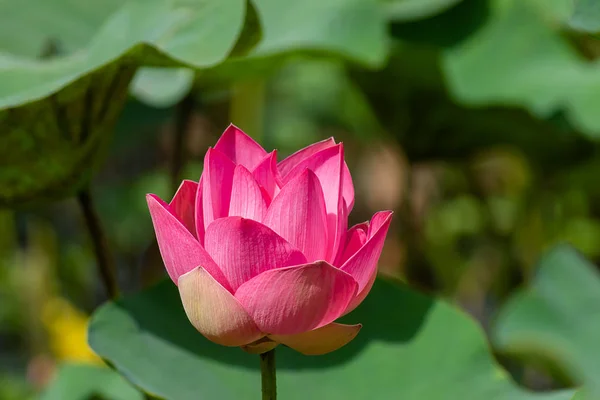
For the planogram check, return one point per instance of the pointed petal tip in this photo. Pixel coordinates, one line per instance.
(239, 147)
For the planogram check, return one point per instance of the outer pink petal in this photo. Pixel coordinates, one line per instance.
(267, 175)
(180, 251)
(327, 165)
(319, 341)
(240, 148)
(356, 237)
(364, 262)
(298, 215)
(216, 186)
(184, 204)
(214, 311)
(286, 165)
(297, 299)
(244, 248)
(199, 219)
(247, 198)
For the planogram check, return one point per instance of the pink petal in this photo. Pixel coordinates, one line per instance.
(266, 174)
(285, 166)
(216, 186)
(379, 219)
(247, 199)
(199, 212)
(348, 188)
(180, 251)
(244, 248)
(214, 311)
(364, 262)
(319, 341)
(298, 215)
(327, 165)
(240, 148)
(184, 204)
(297, 299)
(356, 237)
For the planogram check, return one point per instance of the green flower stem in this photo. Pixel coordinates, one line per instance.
(268, 378)
(104, 260)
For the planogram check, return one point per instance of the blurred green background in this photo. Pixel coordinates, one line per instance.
(476, 121)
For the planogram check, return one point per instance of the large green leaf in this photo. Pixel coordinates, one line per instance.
(56, 113)
(275, 30)
(192, 32)
(67, 24)
(586, 16)
(411, 347)
(558, 317)
(355, 29)
(48, 149)
(80, 381)
(520, 58)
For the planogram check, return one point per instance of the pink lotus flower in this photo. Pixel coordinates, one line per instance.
(260, 250)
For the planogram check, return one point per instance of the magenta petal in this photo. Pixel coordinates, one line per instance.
(247, 199)
(298, 215)
(327, 165)
(240, 148)
(348, 188)
(184, 204)
(286, 165)
(297, 299)
(244, 248)
(216, 186)
(199, 219)
(266, 174)
(180, 251)
(364, 262)
(356, 237)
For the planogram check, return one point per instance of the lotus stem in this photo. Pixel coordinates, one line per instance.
(268, 376)
(104, 261)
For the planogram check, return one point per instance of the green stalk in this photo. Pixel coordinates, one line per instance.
(268, 376)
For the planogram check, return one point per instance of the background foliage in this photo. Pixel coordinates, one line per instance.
(475, 120)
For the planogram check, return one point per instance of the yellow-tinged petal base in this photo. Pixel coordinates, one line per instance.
(214, 311)
(320, 341)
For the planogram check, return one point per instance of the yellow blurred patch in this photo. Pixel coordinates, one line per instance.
(67, 332)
